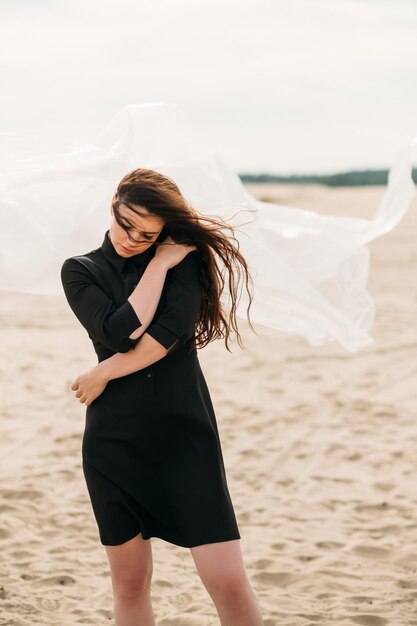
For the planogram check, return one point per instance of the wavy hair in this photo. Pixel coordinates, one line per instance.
(161, 196)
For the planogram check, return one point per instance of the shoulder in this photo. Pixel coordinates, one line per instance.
(87, 268)
(185, 277)
(187, 269)
(86, 262)
(191, 261)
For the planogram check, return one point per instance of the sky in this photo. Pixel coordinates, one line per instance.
(295, 86)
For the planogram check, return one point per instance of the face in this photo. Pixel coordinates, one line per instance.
(142, 234)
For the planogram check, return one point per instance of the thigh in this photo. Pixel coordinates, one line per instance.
(131, 562)
(220, 564)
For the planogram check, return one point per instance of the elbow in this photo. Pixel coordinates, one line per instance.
(159, 350)
(137, 333)
(124, 345)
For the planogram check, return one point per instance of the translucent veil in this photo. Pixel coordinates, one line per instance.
(309, 270)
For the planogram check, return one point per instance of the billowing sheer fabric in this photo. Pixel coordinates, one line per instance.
(310, 271)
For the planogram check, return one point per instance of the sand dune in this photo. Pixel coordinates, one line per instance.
(320, 452)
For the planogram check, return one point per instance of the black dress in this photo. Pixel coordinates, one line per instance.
(151, 452)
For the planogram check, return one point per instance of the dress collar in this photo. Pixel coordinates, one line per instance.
(120, 262)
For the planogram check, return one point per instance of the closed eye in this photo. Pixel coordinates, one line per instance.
(127, 228)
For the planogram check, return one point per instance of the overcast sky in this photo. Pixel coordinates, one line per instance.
(287, 87)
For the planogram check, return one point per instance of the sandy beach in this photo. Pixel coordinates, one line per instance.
(319, 446)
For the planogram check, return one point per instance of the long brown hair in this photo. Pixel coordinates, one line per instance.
(162, 197)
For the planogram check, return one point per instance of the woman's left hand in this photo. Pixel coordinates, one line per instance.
(89, 386)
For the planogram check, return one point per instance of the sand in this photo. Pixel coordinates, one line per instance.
(320, 453)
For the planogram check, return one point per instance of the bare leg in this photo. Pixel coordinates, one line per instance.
(131, 568)
(221, 569)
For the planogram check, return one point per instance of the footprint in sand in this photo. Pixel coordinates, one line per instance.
(28, 576)
(370, 508)
(22, 494)
(372, 552)
(329, 545)
(305, 558)
(49, 604)
(162, 583)
(369, 620)
(407, 584)
(385, 486)
(263, 563)
(281, 579)
(63, 579)
(184, 620)
(335, 573)
(4, 534)
(361, 599)
(313, 618)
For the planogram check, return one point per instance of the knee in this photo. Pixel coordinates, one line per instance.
(129, 589)
(231, 589)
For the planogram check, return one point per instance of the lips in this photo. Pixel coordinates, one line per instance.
(126, 249)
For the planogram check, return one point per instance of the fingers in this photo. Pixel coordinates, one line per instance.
(186, 246)
(80, 395)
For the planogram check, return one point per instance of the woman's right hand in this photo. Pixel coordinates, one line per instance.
(170, 253)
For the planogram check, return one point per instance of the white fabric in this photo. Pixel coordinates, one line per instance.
(310, 270)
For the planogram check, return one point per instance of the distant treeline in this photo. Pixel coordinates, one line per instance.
(343, 179)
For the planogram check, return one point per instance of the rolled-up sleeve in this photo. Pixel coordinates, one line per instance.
(181, 303)
(96, 311)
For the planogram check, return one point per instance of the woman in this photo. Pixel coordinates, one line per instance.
(152, 458)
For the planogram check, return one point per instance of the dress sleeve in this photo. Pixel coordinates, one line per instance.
(181, 303)
(104, 321)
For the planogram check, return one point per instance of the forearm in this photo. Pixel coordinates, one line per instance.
(146, 295)
(145, 353)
